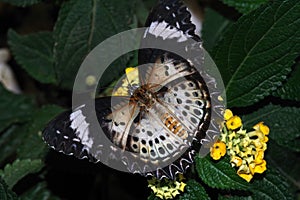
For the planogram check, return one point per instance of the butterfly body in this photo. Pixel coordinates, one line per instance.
(144, 97)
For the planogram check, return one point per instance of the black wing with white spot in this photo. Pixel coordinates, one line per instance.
(68, 133)
(169, 15)
(75, 132)
(169, 24)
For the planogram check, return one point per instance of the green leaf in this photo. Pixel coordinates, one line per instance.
(22, 3)
(10, 139)
(14, 172)
(219, 174)
(141, 12)
(229, 197)
(5, 193)
(284, 124)
(14, 108)
(39, 191)
(194, 191)
(82, 25)
(32, 145)
(153, 197)
(285, 161)
(272, 186)
(257, 52)
(34, 52)
(291, 89)
(213, 26)
(245, 6)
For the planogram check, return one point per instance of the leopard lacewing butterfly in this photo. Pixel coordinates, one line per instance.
(165, 114)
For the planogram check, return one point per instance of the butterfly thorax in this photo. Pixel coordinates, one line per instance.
(144, 96)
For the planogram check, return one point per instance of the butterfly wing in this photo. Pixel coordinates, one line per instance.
(61, 136)
(183, 94)
(169, 24)
(76, 132)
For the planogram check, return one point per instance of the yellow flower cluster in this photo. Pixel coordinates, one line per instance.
(165, 188)
(246, 149)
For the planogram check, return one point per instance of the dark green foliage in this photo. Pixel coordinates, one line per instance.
(5, 193)
(22, 3)
(14, 108)
(291, 89)
(14, 172)
(219, 174)
(194, 191)
(81, 25)
(32, 145)
(34, 53)
(257, 55)
(285, 161)
(213, 27)
(272, 186)
(39, 192)
(245, 6)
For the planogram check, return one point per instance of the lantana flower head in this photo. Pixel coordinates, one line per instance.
(246, 149)
(165, 188)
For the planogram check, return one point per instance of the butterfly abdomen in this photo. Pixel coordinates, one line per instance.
(174, 126)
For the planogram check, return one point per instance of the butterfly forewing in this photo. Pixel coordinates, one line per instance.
(161, 73)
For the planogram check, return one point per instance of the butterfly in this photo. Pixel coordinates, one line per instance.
(156, 127)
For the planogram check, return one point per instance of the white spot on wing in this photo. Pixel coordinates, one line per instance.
(162, 29)
(76, 140)
(79, 124)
